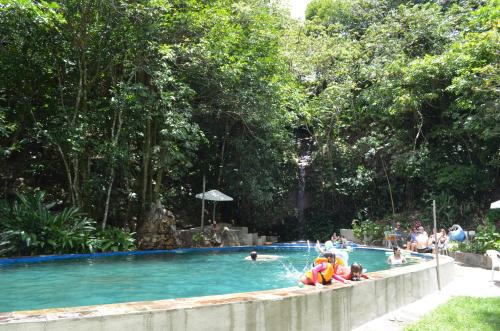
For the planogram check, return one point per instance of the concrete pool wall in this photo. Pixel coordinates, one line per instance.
(335, 307)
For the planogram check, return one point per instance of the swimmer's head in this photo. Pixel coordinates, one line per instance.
(253, 255)
(356, 271)
(330, 257)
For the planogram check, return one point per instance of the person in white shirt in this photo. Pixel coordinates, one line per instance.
(396, 258)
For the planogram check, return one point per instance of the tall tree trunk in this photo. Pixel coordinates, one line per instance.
(223, 147)
(390, 189)
(145, 166)
(159, 175)
(203, 203)
(81, 96)
(76, 181)
(115, 136)
(68, 174)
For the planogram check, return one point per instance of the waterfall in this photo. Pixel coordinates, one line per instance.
(303, 163)
(229, 237)
(175, 235)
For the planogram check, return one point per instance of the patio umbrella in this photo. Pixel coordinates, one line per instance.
(495, 205)
(212, 195)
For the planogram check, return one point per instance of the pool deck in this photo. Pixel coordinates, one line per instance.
(469, 281)
(293, 308)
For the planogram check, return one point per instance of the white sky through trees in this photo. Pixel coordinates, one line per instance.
(297, 7)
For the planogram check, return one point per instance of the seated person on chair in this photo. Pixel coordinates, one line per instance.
(442, 239)
(398, 230)
(422, 240)
(412, 244)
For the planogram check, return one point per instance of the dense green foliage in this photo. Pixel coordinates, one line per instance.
(403, 108)
(29, 226)
(111, 106)
(462, 313)
(369, 231)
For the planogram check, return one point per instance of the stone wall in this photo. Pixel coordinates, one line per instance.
(476, 260)
(223, 235)
(348, 234)
(159, 231)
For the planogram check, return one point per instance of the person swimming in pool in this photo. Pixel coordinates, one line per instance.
(396, 258)
(262, 257)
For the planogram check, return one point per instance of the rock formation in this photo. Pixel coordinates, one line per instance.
(158, 230)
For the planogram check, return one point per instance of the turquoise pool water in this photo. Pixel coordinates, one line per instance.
(79, 282)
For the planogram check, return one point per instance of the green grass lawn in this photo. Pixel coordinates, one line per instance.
(462, 313)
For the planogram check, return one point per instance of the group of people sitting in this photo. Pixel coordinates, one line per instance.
(421, 242)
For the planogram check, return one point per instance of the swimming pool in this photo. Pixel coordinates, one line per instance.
(155, 276)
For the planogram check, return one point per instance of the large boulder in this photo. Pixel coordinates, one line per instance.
(158, 230)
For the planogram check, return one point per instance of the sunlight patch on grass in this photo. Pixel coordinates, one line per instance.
(462, 313)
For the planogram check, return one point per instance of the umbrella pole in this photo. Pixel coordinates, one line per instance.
(213, 213)
(203, 204)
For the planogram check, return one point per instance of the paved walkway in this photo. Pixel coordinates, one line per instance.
(469, 281)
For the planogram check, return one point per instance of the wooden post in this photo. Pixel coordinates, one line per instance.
(203, 204)
(436, 244)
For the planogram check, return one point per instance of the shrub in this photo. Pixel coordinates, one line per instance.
(486, 238)
(114, 239)
(28, 227)
(198, 238)
(369, 228)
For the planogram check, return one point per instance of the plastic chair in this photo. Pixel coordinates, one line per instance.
(495, 260)
(445, 249)
(390, 239)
